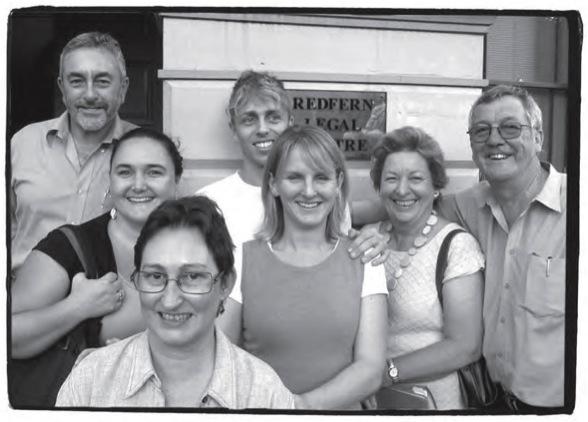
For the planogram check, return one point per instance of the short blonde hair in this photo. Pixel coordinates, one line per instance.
(261, 85)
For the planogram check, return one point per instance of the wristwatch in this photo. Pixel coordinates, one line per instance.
(392, 371)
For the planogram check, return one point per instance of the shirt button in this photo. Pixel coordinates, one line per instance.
(502, 320)
(499, 354)
(204, 399)
(511, 252)
(507, 285)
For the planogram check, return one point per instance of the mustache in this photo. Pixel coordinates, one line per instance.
(91, 104)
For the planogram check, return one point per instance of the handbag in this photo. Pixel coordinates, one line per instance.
(35, 382)
(477, 388)
(405, 397)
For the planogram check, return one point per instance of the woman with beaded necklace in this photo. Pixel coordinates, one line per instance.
(427, 340)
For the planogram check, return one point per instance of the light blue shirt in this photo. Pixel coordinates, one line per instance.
(49, 187)
(122, 375)
(525, 286)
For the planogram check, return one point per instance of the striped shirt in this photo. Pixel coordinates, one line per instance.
(122, 375)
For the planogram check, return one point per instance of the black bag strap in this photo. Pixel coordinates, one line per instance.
(82, 252)
(442, 262)
(91, 327)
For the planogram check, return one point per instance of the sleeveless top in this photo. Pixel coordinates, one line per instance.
(301, 320)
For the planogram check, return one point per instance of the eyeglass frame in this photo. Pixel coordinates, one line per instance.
(177, 280)
(497, 127)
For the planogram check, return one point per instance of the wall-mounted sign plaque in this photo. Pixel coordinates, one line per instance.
(351, 117)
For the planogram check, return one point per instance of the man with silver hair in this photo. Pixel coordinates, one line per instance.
(60, 166)
(518, 214)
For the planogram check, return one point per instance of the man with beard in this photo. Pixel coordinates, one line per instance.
(60, 166)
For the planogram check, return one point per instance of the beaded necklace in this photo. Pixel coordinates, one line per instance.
(406, 256)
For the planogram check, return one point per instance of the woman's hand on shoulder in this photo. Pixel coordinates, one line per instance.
(370, 243)
(96, 297)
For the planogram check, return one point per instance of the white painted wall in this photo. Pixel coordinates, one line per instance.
(194, 110)
(203, 45)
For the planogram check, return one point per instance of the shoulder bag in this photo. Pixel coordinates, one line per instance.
(477, 388)
(35, 382)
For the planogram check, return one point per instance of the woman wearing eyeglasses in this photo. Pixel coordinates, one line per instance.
(184, 272)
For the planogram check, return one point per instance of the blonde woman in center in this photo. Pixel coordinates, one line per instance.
(301, 303)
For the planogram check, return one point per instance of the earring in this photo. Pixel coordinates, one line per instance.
(272, 189)
(436, 194)
(221, 308)
(106, 199)
(113, 214)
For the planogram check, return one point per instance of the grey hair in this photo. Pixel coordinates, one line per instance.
(94, 40)
(532, 110)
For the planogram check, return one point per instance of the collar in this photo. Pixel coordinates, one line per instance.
(550, 194)
(59, 129)
(483, 194)
(141, 366)
(222, 387)
(554, 187)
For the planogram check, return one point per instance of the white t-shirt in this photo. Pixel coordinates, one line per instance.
(241, 205)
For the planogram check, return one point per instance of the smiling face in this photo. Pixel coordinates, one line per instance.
(406, 188)
(256, 125)
(307, 193)
(174, 318)
(505, 160)
(141, 177)
(93, 89)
